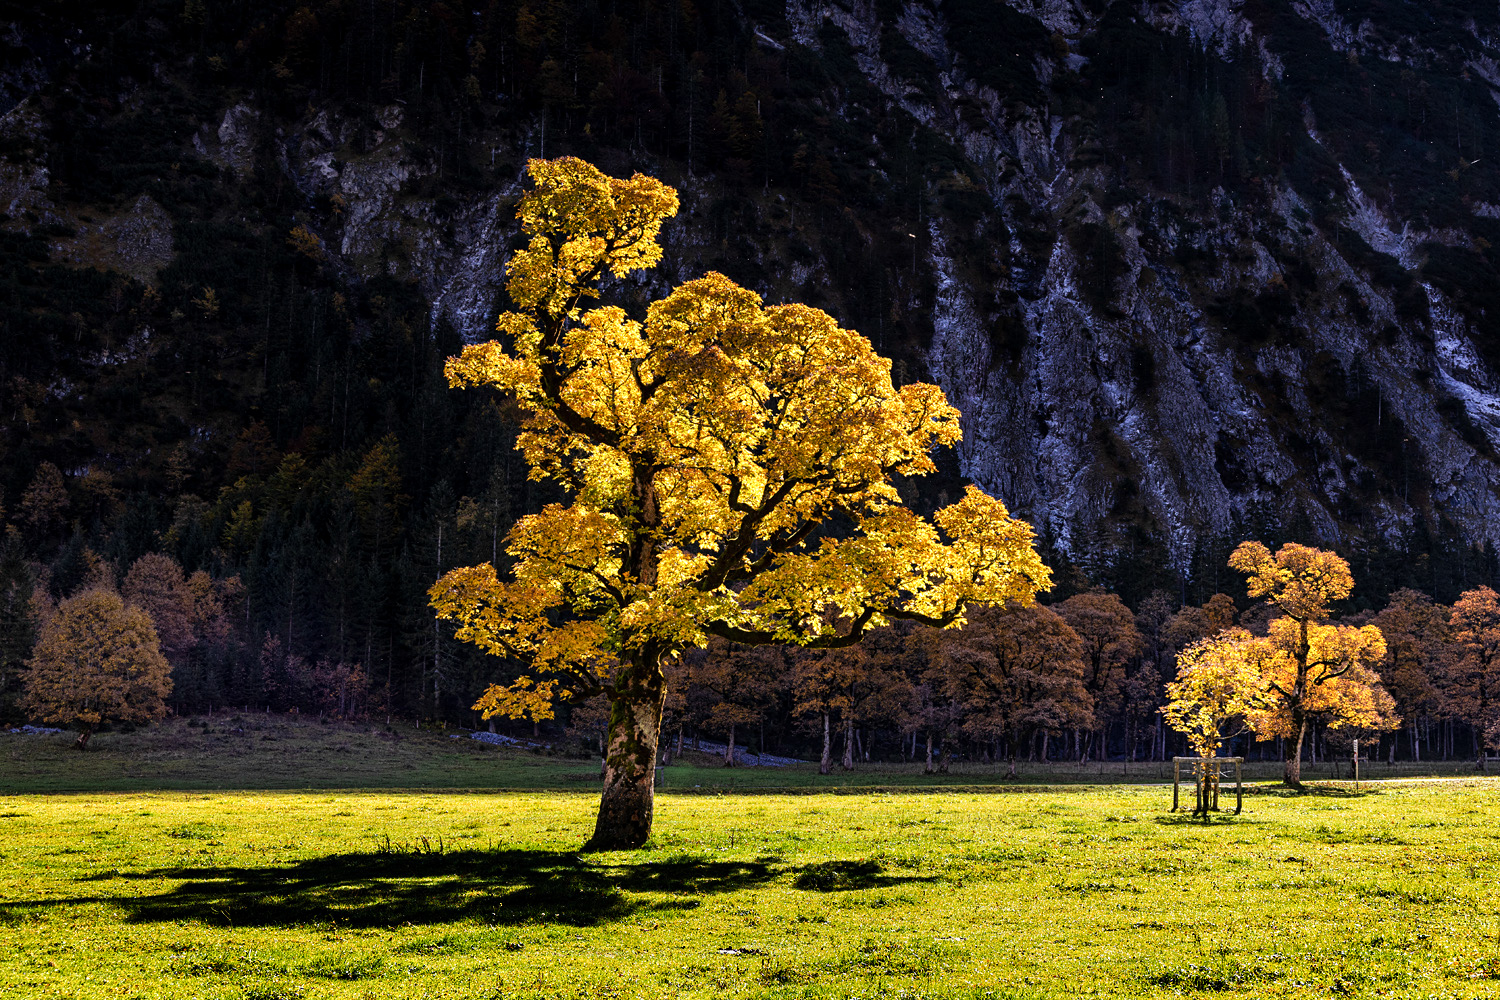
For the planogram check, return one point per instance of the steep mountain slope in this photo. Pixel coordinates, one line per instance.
(1191, 270)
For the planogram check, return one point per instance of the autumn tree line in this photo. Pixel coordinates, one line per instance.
(299, 588)
(1086, 678)
(1083, 678)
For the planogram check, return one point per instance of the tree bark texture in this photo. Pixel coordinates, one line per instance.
(825, 764)
(1291, 772)
(627, 803)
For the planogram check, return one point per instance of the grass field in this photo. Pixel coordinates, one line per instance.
(1043, 892)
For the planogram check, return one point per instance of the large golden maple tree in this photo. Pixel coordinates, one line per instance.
(729, 466)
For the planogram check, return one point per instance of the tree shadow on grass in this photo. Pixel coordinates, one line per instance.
(1192, 819)
(838, 876)
(1319, 790)
(385, 889)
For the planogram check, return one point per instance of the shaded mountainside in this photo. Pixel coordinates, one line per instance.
(1192, 271)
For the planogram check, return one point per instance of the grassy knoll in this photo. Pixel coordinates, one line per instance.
(1057, 892)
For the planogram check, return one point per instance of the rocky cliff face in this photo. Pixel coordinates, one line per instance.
(1275, 324)
(1073, 424)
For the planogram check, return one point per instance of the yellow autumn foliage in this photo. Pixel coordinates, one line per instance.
(1340, 683)
(1300, 580)
(706, 446)
(1303, 669)
(1219, 686)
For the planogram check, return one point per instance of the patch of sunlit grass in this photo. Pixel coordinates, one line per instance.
(1030, 894)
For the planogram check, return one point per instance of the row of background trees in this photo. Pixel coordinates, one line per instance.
(1080, 679)
(1084, 679)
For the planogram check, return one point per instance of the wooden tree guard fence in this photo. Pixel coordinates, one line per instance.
(1206, 772)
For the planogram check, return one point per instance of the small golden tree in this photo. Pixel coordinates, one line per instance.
(97, 661)
(704, 446)
(1218, 691)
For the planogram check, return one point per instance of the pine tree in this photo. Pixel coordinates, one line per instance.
(17, 628)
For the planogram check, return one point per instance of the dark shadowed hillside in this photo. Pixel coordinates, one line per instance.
(1193, 271)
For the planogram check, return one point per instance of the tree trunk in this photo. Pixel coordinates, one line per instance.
(626, 806)
(1291, 773)
(825, 764)
(729, 750)
(82, 743)
(929, 753)
(848, 762)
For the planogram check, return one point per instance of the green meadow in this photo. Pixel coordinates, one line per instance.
(1048, 890)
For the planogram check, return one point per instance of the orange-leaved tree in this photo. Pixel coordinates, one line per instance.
(737, 687)
(703, 444)
(1016, 671)
(97, 660)
(1110, 639)
(1473, 681)
(155, 584)
(826, 683)
(1419, 652)
(1317, 670)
